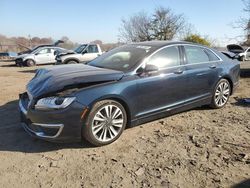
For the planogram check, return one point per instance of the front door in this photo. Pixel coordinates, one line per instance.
(44, 56)
(164, 88)
(90, 53)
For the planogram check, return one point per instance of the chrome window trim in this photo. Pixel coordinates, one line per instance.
(219, 59)
(177, 45)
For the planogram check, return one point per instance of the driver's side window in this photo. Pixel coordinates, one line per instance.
(167, 57)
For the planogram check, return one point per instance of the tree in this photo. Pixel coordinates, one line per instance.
(97, 42)
(244, 22)
(195, 38)
(162, 25)
(165, 24)
(136, 28)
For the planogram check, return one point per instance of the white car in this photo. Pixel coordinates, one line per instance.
(43, 55)
(245, 56)
(82, 54)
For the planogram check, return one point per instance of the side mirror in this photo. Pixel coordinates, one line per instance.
(151, 68)
(84, 52)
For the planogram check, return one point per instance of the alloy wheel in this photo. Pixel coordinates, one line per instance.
(107, 123)
(222, 94)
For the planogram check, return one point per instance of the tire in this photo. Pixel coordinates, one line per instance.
(221, 94)
(30, 63)
(99, 128)
(71, 62)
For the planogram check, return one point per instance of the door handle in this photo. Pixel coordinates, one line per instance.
(212, 66)
(179, 71)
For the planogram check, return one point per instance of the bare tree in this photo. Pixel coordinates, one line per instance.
(165, 24)
(244, 23)
(162, 25)
(136, 28)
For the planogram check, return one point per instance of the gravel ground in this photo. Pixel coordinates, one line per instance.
(198, 148)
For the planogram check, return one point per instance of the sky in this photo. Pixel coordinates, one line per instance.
(85, 21)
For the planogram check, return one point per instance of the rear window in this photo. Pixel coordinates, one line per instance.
(212, 56)
(196, 55)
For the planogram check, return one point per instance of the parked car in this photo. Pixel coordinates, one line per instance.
(245, 56)
(8, 55)
(126, 86)
(42, 55)
(40, 46)
(241, 53)
(82, 54)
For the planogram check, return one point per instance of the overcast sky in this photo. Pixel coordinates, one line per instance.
(84, 21)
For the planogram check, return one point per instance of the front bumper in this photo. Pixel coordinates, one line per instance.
(19, 61)
(62, 125)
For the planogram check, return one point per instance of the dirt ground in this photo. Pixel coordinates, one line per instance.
(197, 148)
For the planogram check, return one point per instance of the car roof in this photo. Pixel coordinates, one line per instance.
(162, 43)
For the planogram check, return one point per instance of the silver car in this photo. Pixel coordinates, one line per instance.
(43, 55)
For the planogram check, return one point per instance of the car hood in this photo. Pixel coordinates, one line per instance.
(234, 48)
(24, 55)
(66, 52)
(58, 78)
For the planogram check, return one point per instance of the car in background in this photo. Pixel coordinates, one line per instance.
(82, 54)
(7, 55)
(126, 86)
(245, 56)
(240, 53)
(42, 55)
(40, 46)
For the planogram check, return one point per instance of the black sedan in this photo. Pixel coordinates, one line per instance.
(126, 86)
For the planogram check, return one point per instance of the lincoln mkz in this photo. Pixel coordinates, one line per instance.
(126, 86)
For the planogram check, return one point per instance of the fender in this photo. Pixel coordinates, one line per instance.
(70, 58)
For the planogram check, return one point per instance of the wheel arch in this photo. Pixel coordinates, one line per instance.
(69, 59)
(117, 99)
(228, 78)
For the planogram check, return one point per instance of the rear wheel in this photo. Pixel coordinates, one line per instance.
(30, 63)
(221, 94)
(105, 123)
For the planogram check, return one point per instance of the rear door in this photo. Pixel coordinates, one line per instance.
(164, 88)
(202, 68)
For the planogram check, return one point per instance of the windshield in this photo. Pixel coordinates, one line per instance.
(123, 58)
(80, 48)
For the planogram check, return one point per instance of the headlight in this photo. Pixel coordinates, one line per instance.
(54, 103)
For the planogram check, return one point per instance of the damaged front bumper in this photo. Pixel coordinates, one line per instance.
(62, 125)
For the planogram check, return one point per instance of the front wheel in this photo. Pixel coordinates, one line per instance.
(71, 62)
(30, 63)
(105, 123)
(221, 94)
